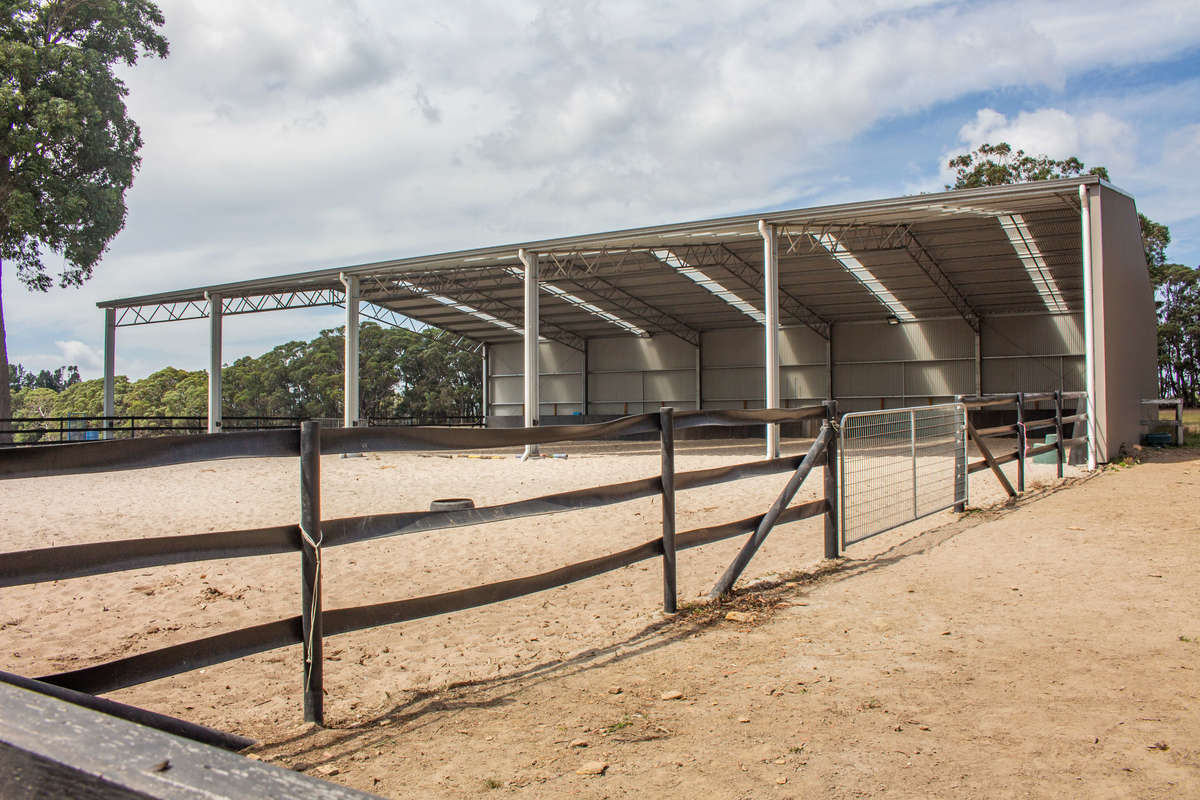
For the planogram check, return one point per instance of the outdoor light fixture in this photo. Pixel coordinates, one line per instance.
(893, 320)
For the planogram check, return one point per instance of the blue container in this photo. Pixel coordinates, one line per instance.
(1050, 456)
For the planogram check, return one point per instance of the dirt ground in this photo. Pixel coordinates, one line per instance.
(1045, 648)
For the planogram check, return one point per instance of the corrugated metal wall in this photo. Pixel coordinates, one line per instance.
(633, 376)
(1033, 354)
(732, 368)
(876, 365)
(560, 384)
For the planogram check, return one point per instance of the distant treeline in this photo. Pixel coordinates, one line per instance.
(1177, 296)
(402, 374)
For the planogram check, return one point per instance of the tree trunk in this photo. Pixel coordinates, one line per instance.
(5, 395)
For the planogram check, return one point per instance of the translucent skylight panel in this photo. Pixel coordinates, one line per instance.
(1035, 265)
(462, 307)
(842, 255)
(580, 303)
(701, 279)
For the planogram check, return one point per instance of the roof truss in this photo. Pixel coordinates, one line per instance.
(700, 256)
(865, 238)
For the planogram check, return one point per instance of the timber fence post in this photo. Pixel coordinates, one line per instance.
(666, 422)
(310, 570)
(1180, 431)
(832, 483)
(1058, 430)
(1020, 442)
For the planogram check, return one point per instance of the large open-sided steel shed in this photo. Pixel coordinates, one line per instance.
(888, 303)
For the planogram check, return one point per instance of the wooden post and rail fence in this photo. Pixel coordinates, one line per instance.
(1021, 429)
(312, 535)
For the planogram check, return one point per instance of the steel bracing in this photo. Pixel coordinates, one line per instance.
(395, 319)
(250, 304)
(874, 238)
(149, 314)
(474, 296)
(719, 255)
(583, 270)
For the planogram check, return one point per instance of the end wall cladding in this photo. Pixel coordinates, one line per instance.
(1126, 327)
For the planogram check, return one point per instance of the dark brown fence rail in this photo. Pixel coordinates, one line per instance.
(1021, 429)
(313, 534)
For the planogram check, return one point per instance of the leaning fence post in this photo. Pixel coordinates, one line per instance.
(832, 489)
(1058, 431)
(310, 570)
(1020, 442)
(666, 423)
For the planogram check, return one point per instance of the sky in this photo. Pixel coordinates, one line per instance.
(286, 135)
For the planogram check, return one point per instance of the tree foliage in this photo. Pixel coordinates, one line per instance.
(1178, 304)
(21, 378)
(401, 374)
(1176, 287)
(994, 165)
(68, 149)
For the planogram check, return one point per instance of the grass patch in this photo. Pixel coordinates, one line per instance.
(624, 722)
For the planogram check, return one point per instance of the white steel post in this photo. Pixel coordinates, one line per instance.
(485, 358)
(110, 368)
(214, 363)
(1089, 338)
(350, 370)
(771, 328)
(531, 395)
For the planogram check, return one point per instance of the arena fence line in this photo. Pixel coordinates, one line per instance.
(28, 431)
(313, 534)
(1021, 428)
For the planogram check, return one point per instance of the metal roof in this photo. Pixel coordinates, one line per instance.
(970, 253)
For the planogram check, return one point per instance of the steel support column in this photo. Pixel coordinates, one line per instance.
(771, 328)
(1089, 319)
(350, 363)
(110, 368)
(485, 368)
(531, 394)
(214, 363)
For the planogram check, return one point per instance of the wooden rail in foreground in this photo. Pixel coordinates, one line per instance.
(313, 534)
(50, 748)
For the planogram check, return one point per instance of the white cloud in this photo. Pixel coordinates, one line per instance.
(293, 135)
(1097, 138)
(80, 354)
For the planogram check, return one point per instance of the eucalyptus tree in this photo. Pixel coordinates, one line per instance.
(68, 149)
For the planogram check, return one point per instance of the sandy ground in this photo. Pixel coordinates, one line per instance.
(1023, 652)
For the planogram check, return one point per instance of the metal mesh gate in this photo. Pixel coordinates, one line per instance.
(899, 465)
